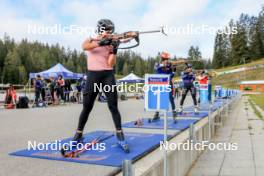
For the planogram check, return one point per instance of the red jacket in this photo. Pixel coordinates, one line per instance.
(203, 80)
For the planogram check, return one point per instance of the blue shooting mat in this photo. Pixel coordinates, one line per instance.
(202, 108)
(113, 155)
(218, 103)
(190, 114)
(181, 124)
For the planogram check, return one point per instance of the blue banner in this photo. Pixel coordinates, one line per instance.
(157, 92)
(204, 94)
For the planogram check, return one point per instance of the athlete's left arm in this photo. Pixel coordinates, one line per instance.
(112, 60)
(193, 77)
(112, 56)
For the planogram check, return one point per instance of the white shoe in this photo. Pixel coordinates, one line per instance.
(196, 109)
(180, 109)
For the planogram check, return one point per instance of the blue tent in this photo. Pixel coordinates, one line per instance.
(55, 71)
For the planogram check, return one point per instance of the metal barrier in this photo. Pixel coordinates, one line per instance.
(180, 161)
(127, 168)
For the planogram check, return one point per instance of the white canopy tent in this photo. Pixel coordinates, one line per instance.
(131, 78)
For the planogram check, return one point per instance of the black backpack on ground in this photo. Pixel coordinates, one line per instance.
(23, 102)
(73, 99)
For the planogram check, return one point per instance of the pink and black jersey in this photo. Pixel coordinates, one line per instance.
(98, 58)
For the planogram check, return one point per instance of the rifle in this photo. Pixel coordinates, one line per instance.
(178, 62)
(184, 61)
(130, 35)
(209, 73)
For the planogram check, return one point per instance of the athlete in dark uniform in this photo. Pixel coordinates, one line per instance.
(165, 67)
(188, 78)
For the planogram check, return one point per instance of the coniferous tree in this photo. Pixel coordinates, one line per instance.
(195, 57)
(243, 45)
(125, 69)
(11, 70)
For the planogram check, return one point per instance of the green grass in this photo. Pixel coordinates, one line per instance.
(232, 80)
(260, 61)
(259, 99)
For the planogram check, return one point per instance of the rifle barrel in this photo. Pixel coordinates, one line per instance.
(146, 32)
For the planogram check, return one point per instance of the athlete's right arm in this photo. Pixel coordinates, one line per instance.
(159, 69)
(89, 44)
(184, 75)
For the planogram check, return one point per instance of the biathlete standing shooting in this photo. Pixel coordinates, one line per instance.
(101, 59)
(188, 77)
(165, 67)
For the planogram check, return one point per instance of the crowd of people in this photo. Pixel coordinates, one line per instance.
(50, 91)
(57, 90)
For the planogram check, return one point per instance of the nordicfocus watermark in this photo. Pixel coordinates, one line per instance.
(132, 88)
(72, 29)
(59, 29)
(196, 145)
(71, 145)
(191, 29)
